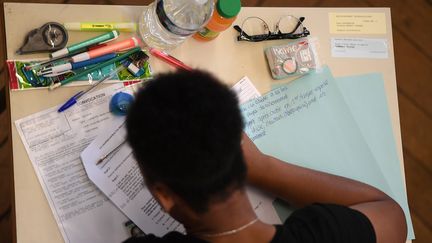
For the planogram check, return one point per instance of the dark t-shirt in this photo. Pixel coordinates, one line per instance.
(315, 223)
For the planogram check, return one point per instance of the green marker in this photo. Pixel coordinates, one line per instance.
(112, 35)
(96, 67)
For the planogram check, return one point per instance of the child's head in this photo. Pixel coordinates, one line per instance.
(185, 130)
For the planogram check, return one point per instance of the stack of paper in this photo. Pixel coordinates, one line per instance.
(311, 123)
(54, 142)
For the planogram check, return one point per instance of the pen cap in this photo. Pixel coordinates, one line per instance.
(72, 26)
(61, 52)
(61, 68)
(132, 27)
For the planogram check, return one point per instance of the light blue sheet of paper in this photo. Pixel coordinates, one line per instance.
(308, 123)
(365, 96)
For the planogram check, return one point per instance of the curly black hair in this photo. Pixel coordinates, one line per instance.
(185, 130)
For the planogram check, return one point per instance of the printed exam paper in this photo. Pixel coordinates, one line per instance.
(54, 142)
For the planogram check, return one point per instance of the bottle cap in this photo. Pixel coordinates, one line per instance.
(228, 8)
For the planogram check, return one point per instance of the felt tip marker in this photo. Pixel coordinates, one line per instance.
(96, 67)
(112, 35)
(119, 46)
(106, 26)
(169, 59)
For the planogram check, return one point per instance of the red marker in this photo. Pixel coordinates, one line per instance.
(169, 59)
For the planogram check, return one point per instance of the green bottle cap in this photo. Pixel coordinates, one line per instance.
(228, 8)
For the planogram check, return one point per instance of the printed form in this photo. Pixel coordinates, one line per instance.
(119, 177)
(54, 142)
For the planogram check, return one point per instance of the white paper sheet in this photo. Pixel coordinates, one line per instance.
(359, 48)
(245, 90)
(118, 176)
(54, 142)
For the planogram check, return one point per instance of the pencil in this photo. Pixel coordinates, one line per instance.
(96, 67)
(110, 152)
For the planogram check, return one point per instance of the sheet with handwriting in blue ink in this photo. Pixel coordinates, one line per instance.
(308, 122)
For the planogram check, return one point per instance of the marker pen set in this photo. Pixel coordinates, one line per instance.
(74, 62)
(67, 67)
(87, 53)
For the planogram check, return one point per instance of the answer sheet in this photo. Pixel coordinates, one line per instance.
(119, 177)
(54, 142)
(308, 123)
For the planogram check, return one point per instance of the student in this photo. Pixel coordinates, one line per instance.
(185, 129)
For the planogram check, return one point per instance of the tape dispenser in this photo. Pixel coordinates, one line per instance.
(51, 36)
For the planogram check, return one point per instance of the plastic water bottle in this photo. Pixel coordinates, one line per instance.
(165, 24)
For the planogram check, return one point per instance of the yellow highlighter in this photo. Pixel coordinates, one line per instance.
(103, 26)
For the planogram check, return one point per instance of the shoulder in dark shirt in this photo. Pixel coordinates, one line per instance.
(325, 223)
(317, 223)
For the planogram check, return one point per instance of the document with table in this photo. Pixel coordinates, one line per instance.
(54, 142)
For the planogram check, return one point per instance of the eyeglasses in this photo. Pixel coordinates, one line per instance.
(255, 29)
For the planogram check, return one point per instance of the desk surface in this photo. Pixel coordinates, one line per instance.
(225, 57)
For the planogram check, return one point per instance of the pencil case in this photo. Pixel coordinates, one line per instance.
(22, 79)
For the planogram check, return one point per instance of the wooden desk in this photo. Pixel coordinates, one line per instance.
(225, 57)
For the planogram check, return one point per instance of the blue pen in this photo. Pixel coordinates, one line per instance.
(74, 99)
(64, 68)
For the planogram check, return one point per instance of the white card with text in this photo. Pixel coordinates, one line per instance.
(359, 48)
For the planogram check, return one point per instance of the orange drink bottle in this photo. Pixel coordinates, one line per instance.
(224, 15)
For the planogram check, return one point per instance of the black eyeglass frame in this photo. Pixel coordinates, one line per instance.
(243, 36)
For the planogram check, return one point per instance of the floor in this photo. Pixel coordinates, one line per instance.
(413, 52)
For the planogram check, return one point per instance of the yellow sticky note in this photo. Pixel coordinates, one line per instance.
(357, 23)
